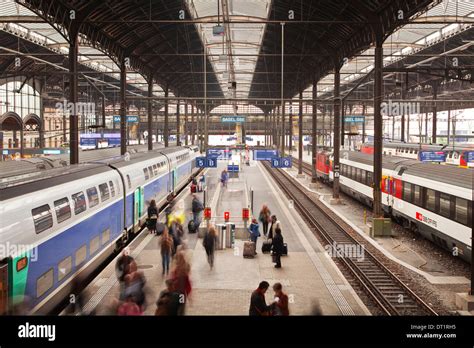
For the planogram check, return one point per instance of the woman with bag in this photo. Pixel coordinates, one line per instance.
(152, 216)
(265, 217)
(166, 245)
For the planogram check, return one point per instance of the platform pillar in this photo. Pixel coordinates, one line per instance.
(150, 114)
(193, 125)
(166, 133)
(186, 123)
(73, 118)
(314, 130)
(337, 129)
(178, 133)
(300, 134)
(435, 113)
(378, 132)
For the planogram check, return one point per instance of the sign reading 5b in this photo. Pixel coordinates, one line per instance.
(206, 162)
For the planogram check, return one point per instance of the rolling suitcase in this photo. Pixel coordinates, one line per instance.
(191, 227)
(267, 246)
(249, 249)
(193, 188)
(285, 249)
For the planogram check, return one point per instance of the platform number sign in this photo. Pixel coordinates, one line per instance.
(201, 162)
(285, 162)
(211, 162)
(276, 162)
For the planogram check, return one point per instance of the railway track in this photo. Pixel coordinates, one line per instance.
(382, 286)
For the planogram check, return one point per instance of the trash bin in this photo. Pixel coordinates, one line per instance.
(221, 236)
(229, 235)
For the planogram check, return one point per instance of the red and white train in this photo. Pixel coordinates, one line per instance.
(460, 155)
(431, 199)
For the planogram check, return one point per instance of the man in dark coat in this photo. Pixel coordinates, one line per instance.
(277, 247)
(258, 306)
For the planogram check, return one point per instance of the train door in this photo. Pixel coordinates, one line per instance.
(138, 205)
(3, 288)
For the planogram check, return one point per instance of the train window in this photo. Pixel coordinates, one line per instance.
(93, 197)
(369, 179)
(94, 245)
(42, 218)
(81, 254)
(105, 236)
(112, 188)
(407, 192)
(461, 211)
(444, 204)
(430, 200)
(150, 171)
(64, 267)
(79, 202)
(145, 171)
(104, 192)
(63, 209)
(44, 283)
(417, 195)
(358, 174)
(129, 182)
(155, 169)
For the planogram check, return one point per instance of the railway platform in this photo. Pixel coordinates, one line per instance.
(312, 281)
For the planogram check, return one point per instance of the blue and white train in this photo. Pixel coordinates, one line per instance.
(62, 223)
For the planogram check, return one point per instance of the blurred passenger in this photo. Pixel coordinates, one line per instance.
(134, 285)
(265, 217)
(169, 207)
(152, 216)
(209, 243)
(281, 301)
(181, 281)
(224, 178)
(76, 302)
(274, 224)
(258, 305)
(277, 246)
(316, 308)
(166, 247)
(121, 268)
(254, 232)
(129, 307)
(168, 301)
(197, 207)
(202, 183)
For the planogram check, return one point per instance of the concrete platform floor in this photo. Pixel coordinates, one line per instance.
(308, 276)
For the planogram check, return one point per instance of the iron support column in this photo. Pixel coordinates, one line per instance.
(150, 114)
(435, 113)
(290, 128)
(337, 130)
(178, 135)
(314, 131)
(193, 125)
(73, 118)
(300, 134)
(166, 130)
(186, 123)
(378, 132)
(282, 84)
